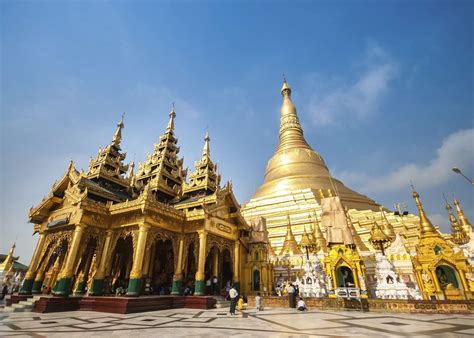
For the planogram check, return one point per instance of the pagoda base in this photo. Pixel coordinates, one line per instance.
(122, 305)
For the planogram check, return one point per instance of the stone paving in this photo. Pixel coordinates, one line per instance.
(218, 322)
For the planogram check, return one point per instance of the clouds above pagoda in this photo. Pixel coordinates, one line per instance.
(355, 97)
(455, 151)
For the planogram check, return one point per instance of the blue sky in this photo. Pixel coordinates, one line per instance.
(384, 91)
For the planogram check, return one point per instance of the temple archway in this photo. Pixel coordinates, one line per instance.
(447, 275)
(212, 269)
(344, 277)
(162, 267)
(86, 266)
(53, 266)
(227, 268)
(122, 260)
(256, 280)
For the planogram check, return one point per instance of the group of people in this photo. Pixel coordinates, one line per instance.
(212, 286)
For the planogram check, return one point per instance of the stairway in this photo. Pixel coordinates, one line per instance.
(23, 306)
(221, 302)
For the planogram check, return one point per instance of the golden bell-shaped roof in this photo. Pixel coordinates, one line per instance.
(306, 240)
(426, 227)
(295, 165)
(290, 247)
(377, 237)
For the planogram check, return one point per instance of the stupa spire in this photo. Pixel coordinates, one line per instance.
(426, 227)
(172, 115)
(291, 133)
(117, 138)
(456, 230)
(290, 246)
(205, 150)
(387, 227)
(466, 226)
(318, 235)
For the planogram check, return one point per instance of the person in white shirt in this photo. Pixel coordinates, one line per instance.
(208, 286)
(233, 299)
(258, 302)
(301, 305)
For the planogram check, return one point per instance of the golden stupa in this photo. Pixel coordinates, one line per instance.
(295, 165)
(296, 179)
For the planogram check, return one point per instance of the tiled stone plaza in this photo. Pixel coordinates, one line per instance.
(218, 322)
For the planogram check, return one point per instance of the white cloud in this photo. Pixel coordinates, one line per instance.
(455, 150)
(354, 99)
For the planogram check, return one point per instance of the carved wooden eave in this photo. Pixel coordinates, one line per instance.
(38, 213)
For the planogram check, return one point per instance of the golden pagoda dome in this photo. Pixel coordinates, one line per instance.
(296, 166)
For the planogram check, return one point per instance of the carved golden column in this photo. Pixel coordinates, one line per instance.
(31, 273)
(199, 284)
(178, 274)
(83, 275)
(67, 273)
(136, 273)
(237, 265)
(98, 283)
(215, 263)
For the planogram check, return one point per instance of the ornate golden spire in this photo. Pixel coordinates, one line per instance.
(205, 150)
(172, 115)
(117, 138)
(290, 246)
(291, 133)
(387, 227)
(463, 219)
(162, 169)
(8, 262)
(426, 227)
(108, 164)
(205, 178)
(318, 235)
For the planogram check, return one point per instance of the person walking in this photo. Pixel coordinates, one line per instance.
(258, 302)
(233, 299)
(291, 295)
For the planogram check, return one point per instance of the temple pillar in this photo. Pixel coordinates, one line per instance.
(237, 266)
(98, 282)
(152, 259)
(84, 274)
(178, 274)
(64, 284)
(215, 263)
(31, 273)
(200, 283)
(464, 283)
(134, 282)
(438, 290)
